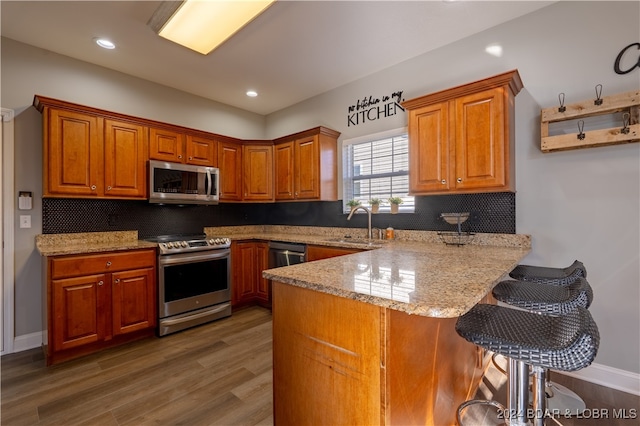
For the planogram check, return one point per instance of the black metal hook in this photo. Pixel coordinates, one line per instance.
(581, 134)
(561, 99)
(598, 100)
(625, 123)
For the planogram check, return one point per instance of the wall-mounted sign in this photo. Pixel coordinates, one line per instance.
(620, 58)
(370, 108)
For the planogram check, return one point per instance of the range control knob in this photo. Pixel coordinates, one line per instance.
(184, 244)
(227, 240)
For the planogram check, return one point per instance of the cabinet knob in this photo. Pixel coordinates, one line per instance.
(459, 180)
(245, 194)
(100, 282)
(108, 263)
(117, 281)
(179, 156)
(190, 158)
(108, 188)
(289, 193)
(93, 187)
(443, 181)
(296, 194)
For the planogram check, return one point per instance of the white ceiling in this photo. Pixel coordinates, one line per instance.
(293, 51)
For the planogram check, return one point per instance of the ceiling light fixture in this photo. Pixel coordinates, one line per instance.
(494, 49)
(252, 93)
(204, 25)
(104, 43)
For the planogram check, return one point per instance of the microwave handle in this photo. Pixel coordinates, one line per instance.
(209, 182)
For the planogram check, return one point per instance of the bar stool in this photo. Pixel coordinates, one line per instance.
(535, 299)
(567, 343)
(546, 275)
(543, 299)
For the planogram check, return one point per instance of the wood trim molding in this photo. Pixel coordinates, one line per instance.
(511, 79)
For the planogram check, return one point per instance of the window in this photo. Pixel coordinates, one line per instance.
(377, 166)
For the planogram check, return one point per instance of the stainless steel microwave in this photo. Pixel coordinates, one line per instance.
(177, 183)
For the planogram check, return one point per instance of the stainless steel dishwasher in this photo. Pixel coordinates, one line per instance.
(286, 254)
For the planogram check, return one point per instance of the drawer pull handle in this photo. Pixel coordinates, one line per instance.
(443, 182)
(100, 282)
(108, 263)
(93, 187)
(459, 180)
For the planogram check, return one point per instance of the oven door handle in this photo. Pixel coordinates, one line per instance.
(195, 316)
(172, 259)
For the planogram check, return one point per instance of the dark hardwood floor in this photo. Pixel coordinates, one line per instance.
(216, 374)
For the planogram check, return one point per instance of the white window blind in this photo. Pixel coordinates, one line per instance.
(377, 166)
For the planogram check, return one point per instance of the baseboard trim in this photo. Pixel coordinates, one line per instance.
(27, 341)
(610, 377)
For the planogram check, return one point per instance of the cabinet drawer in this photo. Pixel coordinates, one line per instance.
(77, 265)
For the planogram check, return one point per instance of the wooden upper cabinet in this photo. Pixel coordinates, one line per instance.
(283, 165)
(166, 145)
(230, 164)
(306, 165)
(201, 151)
(462, 140)
(429, 162)
(125, 159)
(72, 153)
(86, 155)
(258, 172)
(480, 141)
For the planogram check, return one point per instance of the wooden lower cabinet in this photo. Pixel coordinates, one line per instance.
(249, 259)
(343, 362)
(98, 300)
(324, 252)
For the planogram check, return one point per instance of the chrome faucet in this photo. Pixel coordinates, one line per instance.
(369, 233)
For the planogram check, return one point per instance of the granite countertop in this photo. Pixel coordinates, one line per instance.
(415, 273)
(89, 242)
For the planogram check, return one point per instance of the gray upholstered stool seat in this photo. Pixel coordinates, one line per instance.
(567, 343)
(556, 276)
(545, 299)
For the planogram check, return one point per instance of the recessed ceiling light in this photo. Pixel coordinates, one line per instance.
(494, 49)
(104, 43)
(252, 93)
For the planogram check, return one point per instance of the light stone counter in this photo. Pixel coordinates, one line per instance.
(89, 242)
(415, 273)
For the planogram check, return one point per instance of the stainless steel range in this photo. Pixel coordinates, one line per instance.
(194, 281)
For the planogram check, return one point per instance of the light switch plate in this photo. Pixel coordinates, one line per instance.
(25, 221)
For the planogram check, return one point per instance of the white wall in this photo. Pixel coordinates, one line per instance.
(582, 204)
(579, 204)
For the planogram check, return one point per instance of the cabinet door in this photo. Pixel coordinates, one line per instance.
(429, 149)
(78, 311)
(244, 272)
(283, 165)
(306, 166)
(263, 290)
(201, 151)
(125, 159)
(324, 252)
(480, 140)
(166, 145)
(230, 164)
(258, 172)
(133, 296)
(72, 154)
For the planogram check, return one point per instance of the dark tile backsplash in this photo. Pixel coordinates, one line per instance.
(491, 213)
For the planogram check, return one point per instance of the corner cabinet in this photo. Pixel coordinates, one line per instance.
(462, 140)
(306, 166)
(94, 301)
(91, 156)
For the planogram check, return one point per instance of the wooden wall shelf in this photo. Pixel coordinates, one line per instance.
(628, 102)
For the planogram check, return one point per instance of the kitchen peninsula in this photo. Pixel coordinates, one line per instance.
(369, 338)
